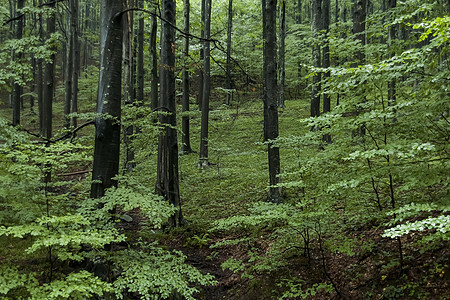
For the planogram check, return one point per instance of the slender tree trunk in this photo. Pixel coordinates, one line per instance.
(228, 63)
(202, 58)
(154, 63)
(127, 81)
(269, 8)
(68, 78)
(18, 90)
(167, 184)
(316, 14)
(326, 50)
(336, 11)
(40, 79)
(107, 129)
(186, 141)
(281, 53)
(359, 27)
(391, 38)
(206, 88)
(299, 12)
(86, 30)
(75, 60)
(49, 80)
(140, 58)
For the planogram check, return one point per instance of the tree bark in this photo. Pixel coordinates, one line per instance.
(391, 38)
(49, 79)
(186, 141)
(18, 90)
(326, 50)
(68, 77)
(269, 8)
(316, 14)
(206, 88)
(140, 58)
(281, 53)
(40, 79)
(359, 27)
(202, 57)
(107, 125)
(167, 184)
(154, 63)
(75, 60)
(228, 62)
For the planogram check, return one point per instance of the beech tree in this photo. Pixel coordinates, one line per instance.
(281, 54)
(186, 140)
(206, 88)
(167, 182)
(228, 62)
(269, 8)
(316, 14)
(17, 91)
(107, 124)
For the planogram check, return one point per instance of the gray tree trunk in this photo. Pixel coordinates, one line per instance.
(186, 141)
(206, 88)
(40, 79)
(140, 57)
(326, 50)
(281, 53)
(229, 84)
(153, 63)
(68, 78)
(359, 27)
(75, 59)
(269, 8)
(167, 184)
(107, 129)
(316, 14)
(18, 90)
(202, 57)
(49, 80)
(391, 38)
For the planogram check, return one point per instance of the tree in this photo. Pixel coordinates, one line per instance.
(326, 50)
(316, 14)
(153, 61)
(186, 141)
(107, 124)
(202, 55)
(75, 59)
(228, 62)
(281, 53)
(167, 182)
(49, 77)
(17, 92)
(269, 8)
(206, 88)
(391, 38)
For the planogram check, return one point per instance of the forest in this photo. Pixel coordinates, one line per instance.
(246, 149)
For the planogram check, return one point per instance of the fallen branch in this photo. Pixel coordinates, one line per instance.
(74, 173)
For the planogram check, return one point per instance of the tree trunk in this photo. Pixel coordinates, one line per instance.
(206, 88)
(326, 50)
(127, 81)
(316, 14)
(299, 11)
(17, 93)
(75, 60)
(40, 78)
(391, 38)
(186, 141)
(68, 78)
(153, 62)
(107, 129)
(228, 63)
(167, 184)
(202, 58)
(359, 28)
(269, 8)
(140, 58)
(49, 80)
(281, 53)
